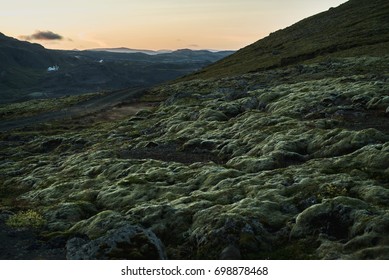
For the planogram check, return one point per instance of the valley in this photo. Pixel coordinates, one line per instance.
(29, 71)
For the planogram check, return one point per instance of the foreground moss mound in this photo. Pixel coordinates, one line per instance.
(290, 163)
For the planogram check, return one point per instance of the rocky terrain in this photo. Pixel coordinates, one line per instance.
(283, 163)
(288, 163)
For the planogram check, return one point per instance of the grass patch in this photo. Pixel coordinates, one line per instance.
(26, 219)
(38, 106)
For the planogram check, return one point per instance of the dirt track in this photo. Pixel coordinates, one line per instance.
(84, 108)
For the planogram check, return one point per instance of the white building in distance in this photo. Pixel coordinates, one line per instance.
(53, 68)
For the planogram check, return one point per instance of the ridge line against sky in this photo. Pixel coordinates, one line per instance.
(152, 24)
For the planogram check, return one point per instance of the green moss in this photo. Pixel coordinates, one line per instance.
(330, 191)
(99, 224)
(288, 142)
(26, 219)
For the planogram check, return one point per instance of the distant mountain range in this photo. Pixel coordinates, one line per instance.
(177, 56)
(151, 52)
(128, 50)
(29, 70)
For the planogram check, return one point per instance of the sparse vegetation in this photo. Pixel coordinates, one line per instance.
(26, 219)
(37, 106)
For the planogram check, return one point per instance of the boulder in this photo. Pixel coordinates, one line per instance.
(124, 243)
(333, 218)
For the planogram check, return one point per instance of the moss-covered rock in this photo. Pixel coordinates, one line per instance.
(275, 164)
(64, 215)
(124, 243)
(99, 224)
(333, 217)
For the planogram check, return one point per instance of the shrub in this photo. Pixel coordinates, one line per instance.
(26, 219)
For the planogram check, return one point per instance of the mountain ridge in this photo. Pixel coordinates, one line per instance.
(130, 50)
(153, 52)
(341, 30)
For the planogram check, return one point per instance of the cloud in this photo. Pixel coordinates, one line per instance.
(42, 35)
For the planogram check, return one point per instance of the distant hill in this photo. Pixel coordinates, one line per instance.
(354, 28)
(23, 66)
(15, 53)
(24, 69)
(160, 52)
(128, 50)
(178, 56)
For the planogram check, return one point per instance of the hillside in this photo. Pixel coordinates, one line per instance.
(290, 162)
(354, 28)
(24, 54)
(23, 64)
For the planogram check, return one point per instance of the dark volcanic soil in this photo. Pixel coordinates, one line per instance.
(25, 244)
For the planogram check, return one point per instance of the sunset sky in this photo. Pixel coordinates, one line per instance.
(152, 24)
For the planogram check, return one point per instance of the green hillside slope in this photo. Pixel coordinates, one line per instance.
(354, 28)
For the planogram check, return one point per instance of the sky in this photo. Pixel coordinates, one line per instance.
(152, 24)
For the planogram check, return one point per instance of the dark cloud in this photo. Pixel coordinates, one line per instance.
(42, 35)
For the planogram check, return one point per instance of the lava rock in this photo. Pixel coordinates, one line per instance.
(128, 242)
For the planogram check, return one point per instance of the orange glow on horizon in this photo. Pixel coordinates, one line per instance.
(154, 24)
